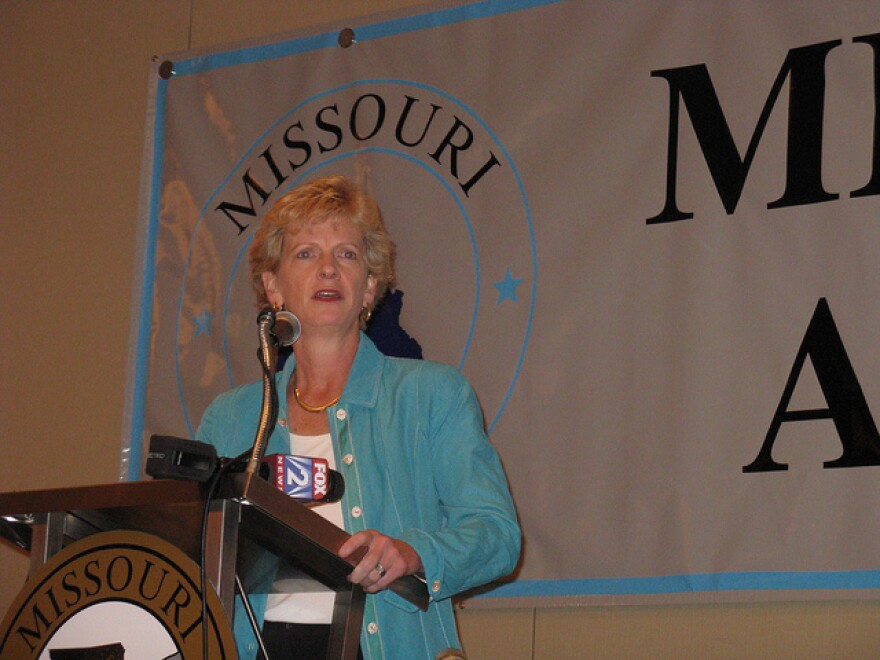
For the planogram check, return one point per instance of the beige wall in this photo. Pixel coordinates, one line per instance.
(72, 117)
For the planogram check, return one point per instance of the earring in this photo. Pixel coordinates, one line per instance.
(366, 314)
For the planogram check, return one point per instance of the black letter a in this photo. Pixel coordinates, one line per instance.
(846, 402)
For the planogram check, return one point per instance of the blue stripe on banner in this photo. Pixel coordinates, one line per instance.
(439, 18)
(145, 318)
(674, 584)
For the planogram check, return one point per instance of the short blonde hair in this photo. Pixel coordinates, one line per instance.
(329, 198)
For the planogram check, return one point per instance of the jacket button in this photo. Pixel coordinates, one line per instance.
(348, 459)
(372, 627)
(356, 511)
(282, 422)
(435, 586)
(341, 414)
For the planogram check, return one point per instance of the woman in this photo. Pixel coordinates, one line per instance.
(425, 492)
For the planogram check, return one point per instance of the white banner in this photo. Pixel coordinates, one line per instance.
(647, 233)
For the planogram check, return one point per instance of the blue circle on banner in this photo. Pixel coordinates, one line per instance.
(504, 257)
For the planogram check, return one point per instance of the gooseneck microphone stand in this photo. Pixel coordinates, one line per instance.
(268, 356)
(267, 353)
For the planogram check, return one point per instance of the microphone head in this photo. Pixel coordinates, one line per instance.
(287, 328)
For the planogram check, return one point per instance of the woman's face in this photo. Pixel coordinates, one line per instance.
(322, 276)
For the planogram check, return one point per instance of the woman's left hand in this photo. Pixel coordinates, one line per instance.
(386, 560)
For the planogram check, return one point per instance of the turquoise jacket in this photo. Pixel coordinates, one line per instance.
(409, 441)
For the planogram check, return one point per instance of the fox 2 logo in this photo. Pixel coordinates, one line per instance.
(305, 478)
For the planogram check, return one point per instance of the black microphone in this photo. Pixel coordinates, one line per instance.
(287, 328)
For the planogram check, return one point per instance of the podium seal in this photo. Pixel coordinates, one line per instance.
(113, 595)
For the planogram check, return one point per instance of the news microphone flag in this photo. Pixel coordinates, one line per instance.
(300, 477)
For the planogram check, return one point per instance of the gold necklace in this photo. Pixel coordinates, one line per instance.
(305, 406)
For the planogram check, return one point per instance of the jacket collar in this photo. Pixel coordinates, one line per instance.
(362, 387)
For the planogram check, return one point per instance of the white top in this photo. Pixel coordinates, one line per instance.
(300, 599)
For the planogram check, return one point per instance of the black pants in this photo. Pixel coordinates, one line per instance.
(297, 641)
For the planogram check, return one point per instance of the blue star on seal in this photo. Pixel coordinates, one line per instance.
(507, 287)
(203, 322)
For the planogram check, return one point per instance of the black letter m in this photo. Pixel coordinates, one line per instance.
(806, 108)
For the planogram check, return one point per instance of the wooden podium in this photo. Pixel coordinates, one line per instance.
(264, 521)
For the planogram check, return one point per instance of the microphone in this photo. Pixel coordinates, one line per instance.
(287, 328)
(303, 478)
